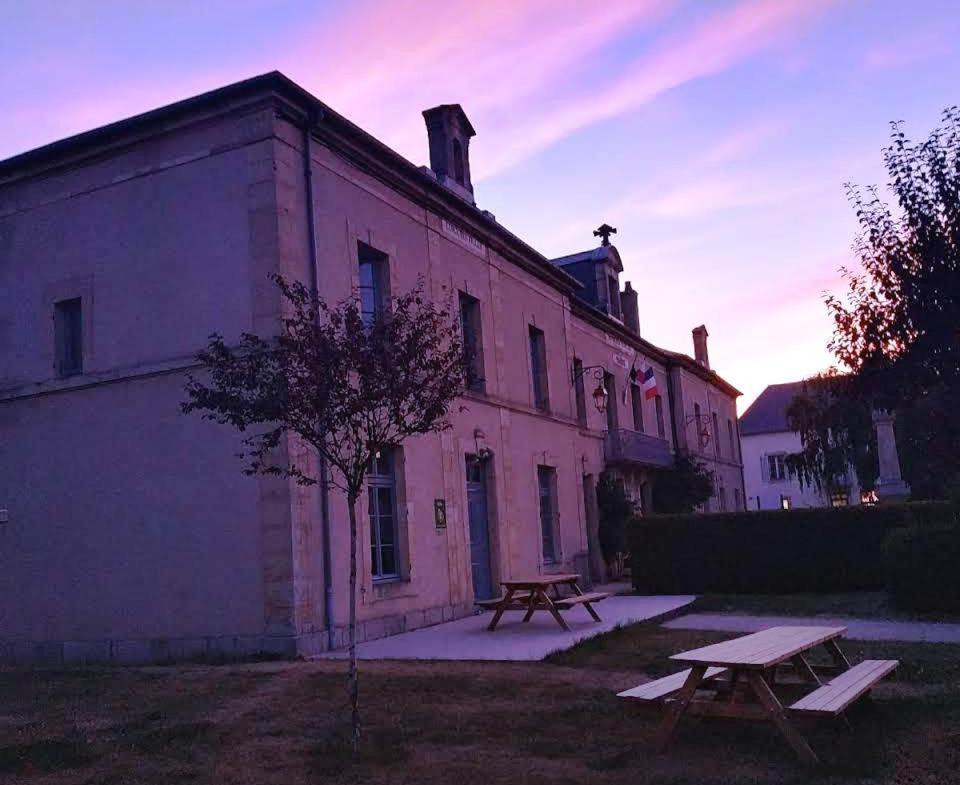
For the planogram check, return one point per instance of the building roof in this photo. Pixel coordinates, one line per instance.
(602, 253)
(768, 413)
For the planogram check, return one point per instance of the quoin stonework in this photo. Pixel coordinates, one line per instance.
(129, 532)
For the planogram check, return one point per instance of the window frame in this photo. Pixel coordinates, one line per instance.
(636, 402)
(538, 368)
(775, 461)
(378, 263)
(661, 427)
(547, 489)
(376, 480)
(471, 325)
(68, 336)
(580, 391)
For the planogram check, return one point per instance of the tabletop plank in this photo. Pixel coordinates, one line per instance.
(541, 580)
(761, 650)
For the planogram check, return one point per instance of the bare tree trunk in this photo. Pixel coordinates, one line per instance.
(353, 679)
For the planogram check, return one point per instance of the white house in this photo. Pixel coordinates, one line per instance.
(766, 439)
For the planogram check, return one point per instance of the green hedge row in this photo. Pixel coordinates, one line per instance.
(805, 550)
(922, 568)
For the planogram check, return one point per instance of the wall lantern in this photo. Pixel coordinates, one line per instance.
(600, 394)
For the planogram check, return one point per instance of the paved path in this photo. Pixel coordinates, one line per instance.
(469, 639)
(857, 629)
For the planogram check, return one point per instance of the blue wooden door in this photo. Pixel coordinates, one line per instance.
(479, 530)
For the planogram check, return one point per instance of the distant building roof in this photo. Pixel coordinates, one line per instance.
(599, 254)
(768, 414)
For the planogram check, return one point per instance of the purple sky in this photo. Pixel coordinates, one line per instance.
(715, 135)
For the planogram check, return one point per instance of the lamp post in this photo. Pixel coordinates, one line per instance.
(600, 394)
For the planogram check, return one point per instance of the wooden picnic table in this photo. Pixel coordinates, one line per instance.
(531, 595)
(740, 677)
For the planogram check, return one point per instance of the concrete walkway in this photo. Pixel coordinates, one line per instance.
(469, 639)
(857, 629)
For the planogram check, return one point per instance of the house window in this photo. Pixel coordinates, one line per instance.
(547, 485)
(472, 342)
(701, 443)
(579, 391)
(776, 468)
(538, 367)
(736, 499)
(786, 503)
(382, 507)
(716, 435)
(839, 500)
(661, 431)
(613, 291)
(733, 449)
(373, 283)
(722, 495)
(636, 398)
(68, 336)
(613, 421)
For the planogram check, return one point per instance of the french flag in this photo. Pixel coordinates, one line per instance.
(649, 384)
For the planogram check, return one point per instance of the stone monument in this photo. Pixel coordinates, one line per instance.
(890, 485)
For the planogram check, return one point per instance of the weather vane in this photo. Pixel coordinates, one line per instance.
(604, 232)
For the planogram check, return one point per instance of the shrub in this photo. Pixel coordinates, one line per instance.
(921, 568)
(806, 550)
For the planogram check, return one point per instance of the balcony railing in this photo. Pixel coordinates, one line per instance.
(632, 447)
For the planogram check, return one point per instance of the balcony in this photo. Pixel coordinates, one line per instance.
(631, 447)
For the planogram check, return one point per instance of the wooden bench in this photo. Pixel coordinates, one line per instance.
(564, 603)
(833, 697)
(517, 602)
(665, 687)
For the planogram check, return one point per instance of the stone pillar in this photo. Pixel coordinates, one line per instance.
(890, 486)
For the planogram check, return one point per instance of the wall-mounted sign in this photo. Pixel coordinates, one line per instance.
(464, 238)
(440, 513)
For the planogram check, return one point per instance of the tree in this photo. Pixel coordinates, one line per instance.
(615, 509)
(683, 487)
(836, 432)
(347, 387)
(898, 330)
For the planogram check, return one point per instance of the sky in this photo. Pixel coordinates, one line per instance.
(716, 135)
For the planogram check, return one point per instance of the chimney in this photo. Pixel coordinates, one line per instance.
(700, 346)
(448, 133)
(629, 309)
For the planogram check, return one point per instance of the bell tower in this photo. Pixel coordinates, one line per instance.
(449, 133)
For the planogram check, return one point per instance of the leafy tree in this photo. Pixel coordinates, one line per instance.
(683, 487)
(836, 432)
(615, 510)
(348, 388)
(897, 329)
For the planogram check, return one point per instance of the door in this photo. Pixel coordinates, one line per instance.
(479, 529)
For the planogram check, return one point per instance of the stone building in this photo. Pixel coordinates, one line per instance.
(128, 532)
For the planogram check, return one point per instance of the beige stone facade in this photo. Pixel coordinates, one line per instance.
(130, 533)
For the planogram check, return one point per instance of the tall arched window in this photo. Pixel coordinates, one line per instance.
(458, 174)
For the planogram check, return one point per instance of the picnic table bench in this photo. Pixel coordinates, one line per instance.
(740, 676)
(531, 595)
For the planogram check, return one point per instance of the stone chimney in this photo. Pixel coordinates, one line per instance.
(700, 346)
(629, 309)
(449, 132)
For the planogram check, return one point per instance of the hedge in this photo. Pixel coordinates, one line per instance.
(804, 550)
(921, 568)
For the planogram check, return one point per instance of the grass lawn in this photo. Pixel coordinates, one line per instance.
(432, 723)
(860, 604)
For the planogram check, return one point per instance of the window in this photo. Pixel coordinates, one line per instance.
(716, 435)
(733, 449)
(785, 503)
(613, 292)
(736, 499)
(696, 418)
(579, 390)
(776, 468)
(722, 495)
(610, 383)
(472, 342)
(458, 170)
(373, 283)
(839, 500)
(660, 429)
(68, 336)
(382, 507)
(538, 367)
(547, 485)
(636, 398)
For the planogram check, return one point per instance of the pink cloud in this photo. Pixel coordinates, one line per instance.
(908, 50)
